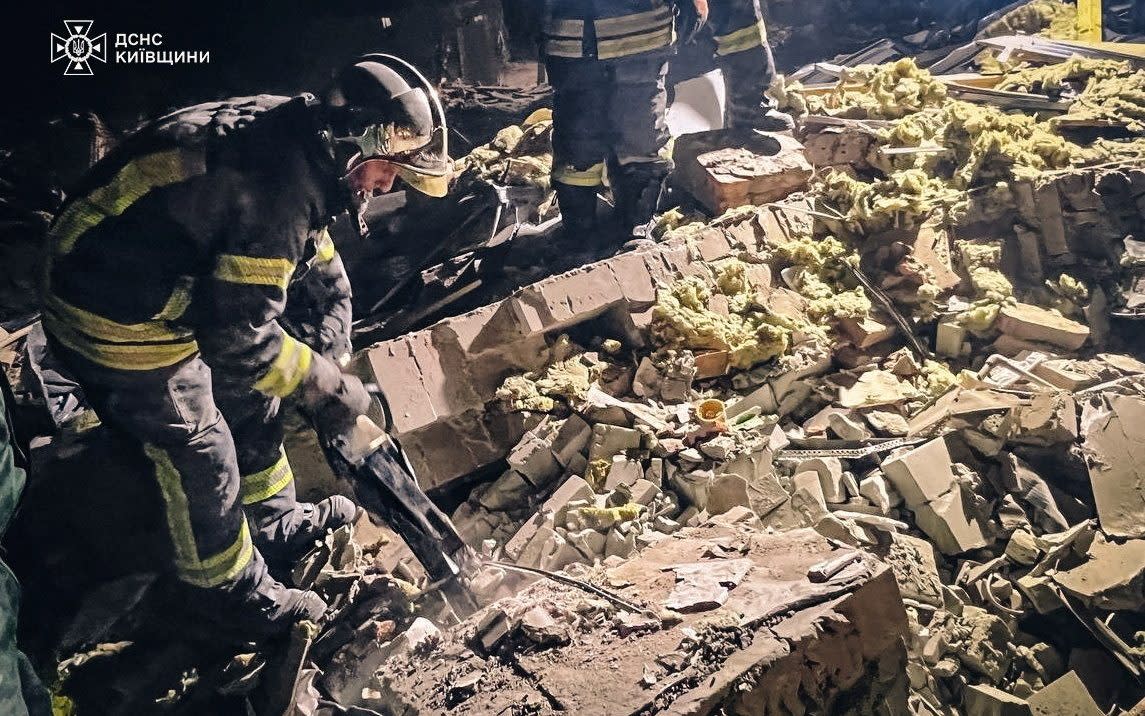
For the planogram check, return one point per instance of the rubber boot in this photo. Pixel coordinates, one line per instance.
(640, 187)
(580, 238)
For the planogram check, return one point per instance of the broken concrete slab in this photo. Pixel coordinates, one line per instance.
(952, 523)
(985, 700)
(1115, 449)
(1066, 696)
(1112, 577)
(921, 474)
(1033, 323)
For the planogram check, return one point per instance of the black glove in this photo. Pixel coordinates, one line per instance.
(334, 399)
(692, 16)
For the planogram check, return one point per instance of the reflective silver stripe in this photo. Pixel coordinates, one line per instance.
(564, 48)
(634, 45)
(563, 27)
(640, 22)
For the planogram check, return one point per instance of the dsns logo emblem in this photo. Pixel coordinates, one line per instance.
(79, 48)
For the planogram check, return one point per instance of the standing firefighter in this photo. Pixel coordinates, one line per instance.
(607, 62)
(191, 286)
(744, 57)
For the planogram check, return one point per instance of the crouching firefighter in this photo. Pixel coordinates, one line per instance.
(191, 286)
(607, 63)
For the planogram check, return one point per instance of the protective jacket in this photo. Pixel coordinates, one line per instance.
(606, 29)
(166, 281)
(210, 213)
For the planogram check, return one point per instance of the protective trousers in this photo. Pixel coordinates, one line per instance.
(744, 56)
(610, 111)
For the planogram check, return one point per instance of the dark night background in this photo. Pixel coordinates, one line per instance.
(284, 46)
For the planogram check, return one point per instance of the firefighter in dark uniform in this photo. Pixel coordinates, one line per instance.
(607, 62)
(744, 57)
(191, 286)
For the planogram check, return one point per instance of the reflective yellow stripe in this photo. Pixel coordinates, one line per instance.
(125, 188)
(1089, 20)
(122, 356)
(267, 483)
(255, 271)
(611, 49)
(593, 176)
(744, 39)
(564, 48)
(178, 301)
(564, 27)
(653, 20)
(289, 368)
(214, 570)
(324, 248)
(109, 331)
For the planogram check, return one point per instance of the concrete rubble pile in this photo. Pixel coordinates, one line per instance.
(910, 360)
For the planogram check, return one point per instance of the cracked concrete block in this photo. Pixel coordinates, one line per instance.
(571, 490)
(949, 520)
(866, 332)
(727, 491)
(985, 650)
(985, 700)
(921, 474)
(915, 568)
(848, 426)
(1115, 444)
(874, 487)
(609, 440)
(1033, 323)
(762, 397)
(623, 471)
(644, 492)
(637, 284)
(537, 546)
(507, 492)
(525, 534)
(567, 299)
(1048, 420)
(809, 482)
(1066, 696)
(571, 439)
(533, 458)
(830, 472)
(619, 544)
(1112, 577)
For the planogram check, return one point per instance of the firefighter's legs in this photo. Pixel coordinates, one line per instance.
(637, 113)
(580, 146)
(744, 57)
(281, 527)
(172, 413)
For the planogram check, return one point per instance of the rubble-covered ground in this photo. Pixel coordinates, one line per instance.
(870, 440)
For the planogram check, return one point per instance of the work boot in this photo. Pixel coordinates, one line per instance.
(638, 188)
(775, 121)
(579, 240)
(286, 532)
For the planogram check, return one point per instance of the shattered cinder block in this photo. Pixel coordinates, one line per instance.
(1049, 419)
(830, 472)
(1066, 696)
(866, 332)
(533, 458)
(1115, 449)
(729, 168)
(1033, 323)
(726, 492)
(571, 490)
(571, 439)
(623, 471)
(921, 474)
(985, 644)
(950, 521)
(609, 440)
(915, 568)
(1112, 577)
